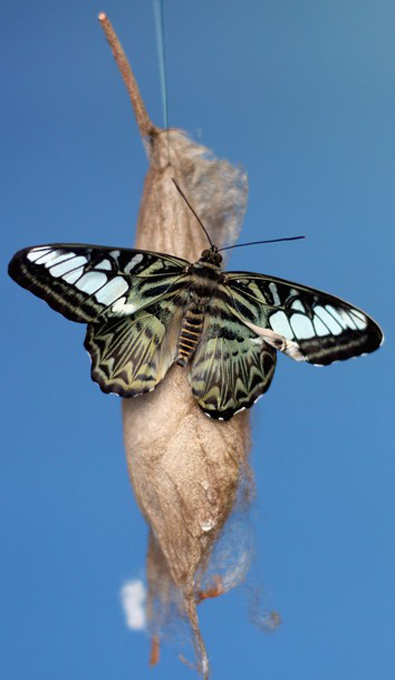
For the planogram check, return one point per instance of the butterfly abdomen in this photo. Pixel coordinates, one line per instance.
(204, 283)
(191, 331)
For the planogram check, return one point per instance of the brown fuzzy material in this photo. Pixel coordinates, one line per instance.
(185, 468)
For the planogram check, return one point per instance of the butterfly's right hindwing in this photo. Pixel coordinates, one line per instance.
(231, 367)
(82, 281)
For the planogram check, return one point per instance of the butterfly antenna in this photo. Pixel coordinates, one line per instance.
(193, 212)
(254, 243)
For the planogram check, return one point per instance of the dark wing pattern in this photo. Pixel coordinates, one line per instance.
(83, 281)
(304, 323)
(133, 302)
(231, 367)
(132, 354)
(131, 299)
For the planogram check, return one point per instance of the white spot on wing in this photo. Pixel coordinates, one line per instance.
(104, 264)
(348, 320)
(72, 276)
(47, 257)
(79, 261)
(334, 326)
(302, 326)
(60, 258)
(297, 304)
(274, 292)
(359, 318)
(91, 281)
(36, 253)
(124, 308)
(292, 293)
(60, 269)
(112, 291)
(320, 328)
(133, 263)
(280, 324)
(338, 316)
(77, 269)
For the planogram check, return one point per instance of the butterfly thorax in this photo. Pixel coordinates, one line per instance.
(204, 278)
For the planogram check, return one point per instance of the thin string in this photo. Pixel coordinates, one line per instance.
(160, 41)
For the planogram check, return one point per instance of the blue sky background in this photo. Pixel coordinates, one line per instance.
(302, 95)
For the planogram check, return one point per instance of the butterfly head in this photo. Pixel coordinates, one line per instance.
(211, 255)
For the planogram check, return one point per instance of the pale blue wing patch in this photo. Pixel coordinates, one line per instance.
(304, 323)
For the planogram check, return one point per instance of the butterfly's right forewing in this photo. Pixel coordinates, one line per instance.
(305, 323)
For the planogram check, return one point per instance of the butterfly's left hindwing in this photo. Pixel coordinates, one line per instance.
(132, 354)
(83, 281)
(304, 323)
(231, 367)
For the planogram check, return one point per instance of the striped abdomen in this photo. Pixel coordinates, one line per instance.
(191, 331)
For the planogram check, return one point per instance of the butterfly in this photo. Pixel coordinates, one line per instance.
(146, 311)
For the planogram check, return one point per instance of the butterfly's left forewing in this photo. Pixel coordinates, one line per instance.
(84, 281)
(304, 323)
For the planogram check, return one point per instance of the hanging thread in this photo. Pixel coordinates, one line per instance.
(160, 41)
